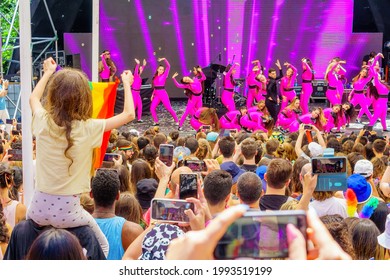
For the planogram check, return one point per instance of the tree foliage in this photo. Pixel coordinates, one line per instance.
(7, 8)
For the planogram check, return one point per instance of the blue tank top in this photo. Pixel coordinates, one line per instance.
(112, 229)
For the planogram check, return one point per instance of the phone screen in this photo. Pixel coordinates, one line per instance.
(166, 154)
(196, 165)
(110, 157)
(16, 154)
(170, 210)
(206, 128)
(329, 165)
(188, 186)
(259, 235)
(307, 126)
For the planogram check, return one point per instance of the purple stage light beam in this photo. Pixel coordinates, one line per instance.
(271, 43)
(253, 32)
(206, 34)
(182, 57)
(108, 33)
(146, 34)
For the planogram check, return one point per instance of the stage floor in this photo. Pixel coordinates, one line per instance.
(167, 124)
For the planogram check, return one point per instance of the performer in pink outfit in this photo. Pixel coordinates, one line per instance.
(253, 84)
(316, 118)
(193, 88)
(159, 93)
(332, 93)
(205, 116)
(231, 120)
(287, 84)
(289, 114)
(307, 87)
(357, 95)
(256, 120)
(333, 116)
(348, 114)
(107, 68)
(381, 92)
(227, 96)
(136, 88)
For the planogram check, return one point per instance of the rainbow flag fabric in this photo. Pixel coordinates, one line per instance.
(103, 98)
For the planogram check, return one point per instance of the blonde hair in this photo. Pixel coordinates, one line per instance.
(290, 205)
(204, 149)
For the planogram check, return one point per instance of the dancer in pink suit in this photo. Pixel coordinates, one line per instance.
(159, 93)
(289, 114)
(253, 84)
(287, 84)
(255, 120)
(380, 91)
(357, 95)
(227, 96)
(316, 118)
(231, 120)
(136, 88)
(260, 108)
(333, 93)
(348, 114)
(307, 87)
(205, 116)
(333, 116)
(107, 68)
(193, 88)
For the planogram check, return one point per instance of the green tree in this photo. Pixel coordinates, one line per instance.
(7, 8)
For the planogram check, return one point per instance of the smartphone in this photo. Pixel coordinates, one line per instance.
(232, 131)
(307, 127)
(327, 165)
(166, 154)
(260, 235)
(110, 157)
(196, 165)
(16, 154)
(188, 185)
(9, 121)
(170, 210)
(206, 128)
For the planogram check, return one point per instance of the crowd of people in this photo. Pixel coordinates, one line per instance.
(80, 213)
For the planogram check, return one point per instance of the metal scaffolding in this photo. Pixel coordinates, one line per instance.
(10, 44)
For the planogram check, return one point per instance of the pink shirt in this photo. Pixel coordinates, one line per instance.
(307, 73)
(332, 76)
(382, 89)
(105, 74)
(137, 79)
(195, 87)
(287, 83)
(227, 79)
(159, 80)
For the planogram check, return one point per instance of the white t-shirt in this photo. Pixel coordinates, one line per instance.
(331, 206)
(53, 175)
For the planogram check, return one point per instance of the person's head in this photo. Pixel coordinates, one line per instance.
(379, 167)
(130, 150)
(295, 104)
(334, 144)
(349, 111)
(271, 146)
(6, 177)
(175, 177)
(217, 187)
(124, 178)
(249, 148)
(192, 144)
(146, 189)
(150, 154)
(249, 188)
(289, 72)
(160, 70)
(379, 216)
(347, 146)
(4, 232)
(159, 139)
(295, 184)
(107, 54)
(140, 170)
(243, 110)
(204, 150)
(379, 146)
(336, 108)
(338, 228)
(129, 208)
(142, 142)
(364, 167)
(174, 135)
(56, 244)
(68, 98)
(105, 188)
(353, 158)
(195, 70)
(186, 80)
(227, 146)
(228, 67)
(261, 105)
(272, 73)
(364, 239)
(278, 173)
(261, 78)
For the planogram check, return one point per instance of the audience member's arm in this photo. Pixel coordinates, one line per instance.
(215, 150)
(321, 140)
(212, 164)
(163, 173)
(128, 113)
(298, 144)
(130, 232)
(135, 249)
(49, 67)
(360, 135)
(309, 185)
(237, 153)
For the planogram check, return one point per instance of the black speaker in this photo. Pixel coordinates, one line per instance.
(73, 60)
(146, 94)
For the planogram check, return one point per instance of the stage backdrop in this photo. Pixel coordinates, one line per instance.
(201, 32)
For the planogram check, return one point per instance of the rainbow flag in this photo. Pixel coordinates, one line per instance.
(103, 98)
